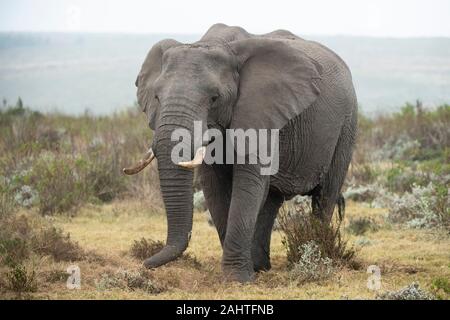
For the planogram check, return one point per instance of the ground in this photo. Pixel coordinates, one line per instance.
(403, 255)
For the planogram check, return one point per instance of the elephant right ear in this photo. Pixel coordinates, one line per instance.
(150, 71)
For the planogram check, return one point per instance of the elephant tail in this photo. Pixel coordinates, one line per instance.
(341, 207)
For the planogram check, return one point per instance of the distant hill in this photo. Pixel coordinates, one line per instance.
(74, 72)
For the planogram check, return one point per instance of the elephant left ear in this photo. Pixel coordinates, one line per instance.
(277, 81)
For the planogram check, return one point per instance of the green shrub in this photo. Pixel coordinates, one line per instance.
(363, 173)
(402, 178)
(21, 279)
(13, 250)
(57, 184)
(102, 173)
(409, 137)
(60, 162)
(441, 288)
(7, 204)
(56, 275)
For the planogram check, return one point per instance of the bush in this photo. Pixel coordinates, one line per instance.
(145, 248)
(311, 266)
(21, 235)
(26, 196)
(21, 279)
(441, 288)
(59, 162)
(129, 279)
(57, 184)
(56, 275)
(363, 193)
(53, 242)
(360, 226)
(7, 204)
(424, 207)
(299, 227)
(414, 133)
(410, 292)
(13, 250)
(101, 172)
(402, 178)
(401, 149)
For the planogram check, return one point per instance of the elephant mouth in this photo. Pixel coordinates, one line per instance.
(149, 156)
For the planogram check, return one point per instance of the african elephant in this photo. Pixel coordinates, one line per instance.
(233, 79)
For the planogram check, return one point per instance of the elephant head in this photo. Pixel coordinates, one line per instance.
(256, 83)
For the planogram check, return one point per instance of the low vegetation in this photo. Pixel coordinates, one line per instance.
(303, 233)
(64, 201)
(410, 292)
(57, 163)
(129, 280)
(145, 248)
(402, 162)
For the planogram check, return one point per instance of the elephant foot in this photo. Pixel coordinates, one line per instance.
(261, 259)
(261, 264)
(242, 276)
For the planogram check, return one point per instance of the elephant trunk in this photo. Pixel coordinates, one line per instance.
(177, 192)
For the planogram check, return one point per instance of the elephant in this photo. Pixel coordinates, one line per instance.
(232, 79)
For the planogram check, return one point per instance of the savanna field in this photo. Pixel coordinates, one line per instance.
(65, 202)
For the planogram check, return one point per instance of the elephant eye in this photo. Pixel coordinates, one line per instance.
(214, 98)
(156, 97)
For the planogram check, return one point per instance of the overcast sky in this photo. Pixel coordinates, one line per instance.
(387, 18)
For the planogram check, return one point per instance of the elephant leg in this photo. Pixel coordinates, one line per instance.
(263, 231)
(328, 193)
(216, 184)
(249, 194)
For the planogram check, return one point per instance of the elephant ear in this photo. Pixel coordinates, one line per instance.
(150, 71)
(277, 81)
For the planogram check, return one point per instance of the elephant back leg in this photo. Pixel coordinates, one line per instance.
(263, 231)
(328, 193)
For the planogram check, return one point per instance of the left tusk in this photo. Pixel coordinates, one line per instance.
(198, 159)
(148, 157)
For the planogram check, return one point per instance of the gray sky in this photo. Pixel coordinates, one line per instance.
(387, 18)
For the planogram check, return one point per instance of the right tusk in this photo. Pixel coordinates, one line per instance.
(148, 157)
(198, 159)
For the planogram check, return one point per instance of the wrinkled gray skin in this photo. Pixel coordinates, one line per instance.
(233, 79)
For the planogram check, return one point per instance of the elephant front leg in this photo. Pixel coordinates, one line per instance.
(248, 194)
(216, 185)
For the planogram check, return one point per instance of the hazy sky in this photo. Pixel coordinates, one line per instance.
(391, 18)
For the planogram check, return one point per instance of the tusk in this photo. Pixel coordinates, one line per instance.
(148, 157)
(198, 159)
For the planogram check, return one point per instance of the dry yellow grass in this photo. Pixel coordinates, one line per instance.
(403, 255)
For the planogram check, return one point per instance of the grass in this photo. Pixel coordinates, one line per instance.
(403, 255)
(64, 201)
